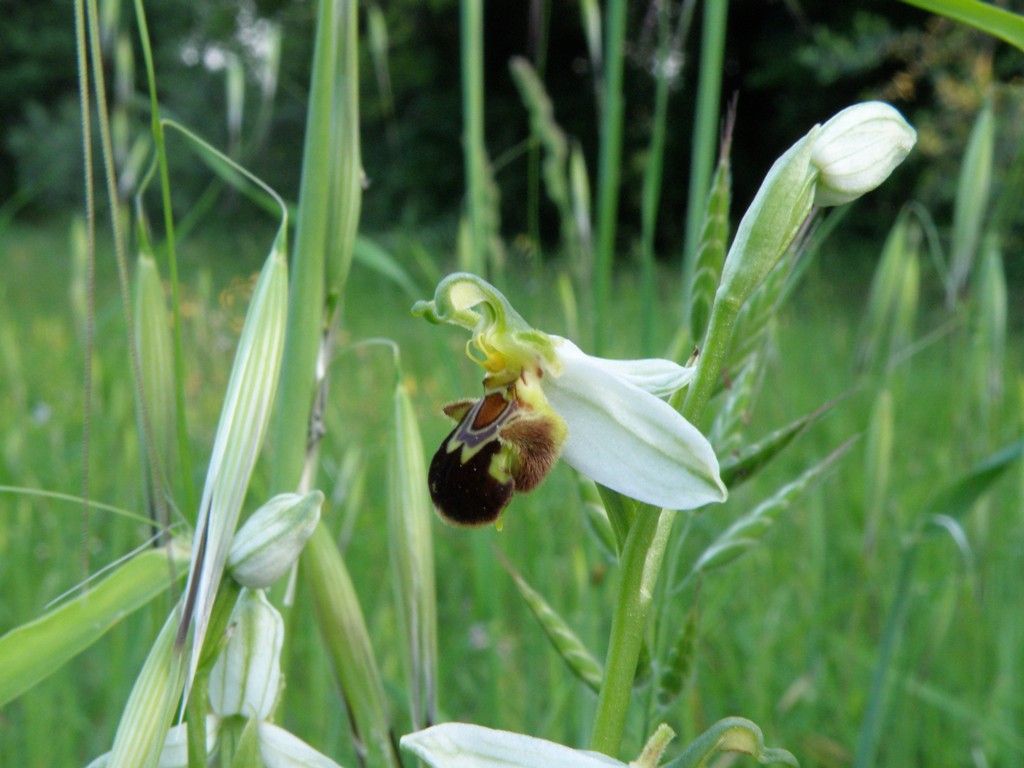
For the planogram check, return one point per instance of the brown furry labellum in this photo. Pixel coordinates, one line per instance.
(499, 446)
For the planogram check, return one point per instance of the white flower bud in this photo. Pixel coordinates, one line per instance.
(271, 540)
(247, 674)
(857, 149)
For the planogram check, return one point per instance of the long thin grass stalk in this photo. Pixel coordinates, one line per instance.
(609, 163)
(590, 19)
(666, 72)
(307, 290)
(474, 154)
(95, 67)
(81, 48)
(188, 488)
(702, 151)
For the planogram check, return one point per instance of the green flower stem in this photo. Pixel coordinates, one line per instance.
(641, 562)
(643, 552)
(709, 363)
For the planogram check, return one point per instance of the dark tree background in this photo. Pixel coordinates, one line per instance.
(789, 64)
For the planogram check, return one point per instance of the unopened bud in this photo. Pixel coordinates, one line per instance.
(247, 674)
(271, 540)
(857, 149)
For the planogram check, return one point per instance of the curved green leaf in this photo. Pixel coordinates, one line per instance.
(33, 651)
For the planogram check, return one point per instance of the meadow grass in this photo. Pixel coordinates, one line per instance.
(789, 634)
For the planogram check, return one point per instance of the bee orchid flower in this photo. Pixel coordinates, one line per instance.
(544, 398)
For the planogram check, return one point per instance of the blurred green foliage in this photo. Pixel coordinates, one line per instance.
(790, 64)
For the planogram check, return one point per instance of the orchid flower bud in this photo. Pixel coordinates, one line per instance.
(271, 540)
(247, 675)
(857, 149)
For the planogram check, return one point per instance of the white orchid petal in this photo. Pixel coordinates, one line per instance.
(628, 440)
(461, 745)
(175, 751)
(281, 749)
(659, 377)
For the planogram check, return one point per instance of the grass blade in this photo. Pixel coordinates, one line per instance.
(33, 651)
(989, 18)
(150, 709)
(347, 641)
(878, 464)
(956, 499)
(243, 423)
(411, 546)
(971, 206)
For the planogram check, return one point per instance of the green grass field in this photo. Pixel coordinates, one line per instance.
(789, 635)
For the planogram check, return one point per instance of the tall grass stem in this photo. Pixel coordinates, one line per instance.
(609, 163)
(705, 132)
(474, 154)
(188, 488)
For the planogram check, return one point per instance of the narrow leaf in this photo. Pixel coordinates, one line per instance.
(31, 652)
(957, 498)
(987, 17)
(345, 636)
(411, 549)
(971, 206)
